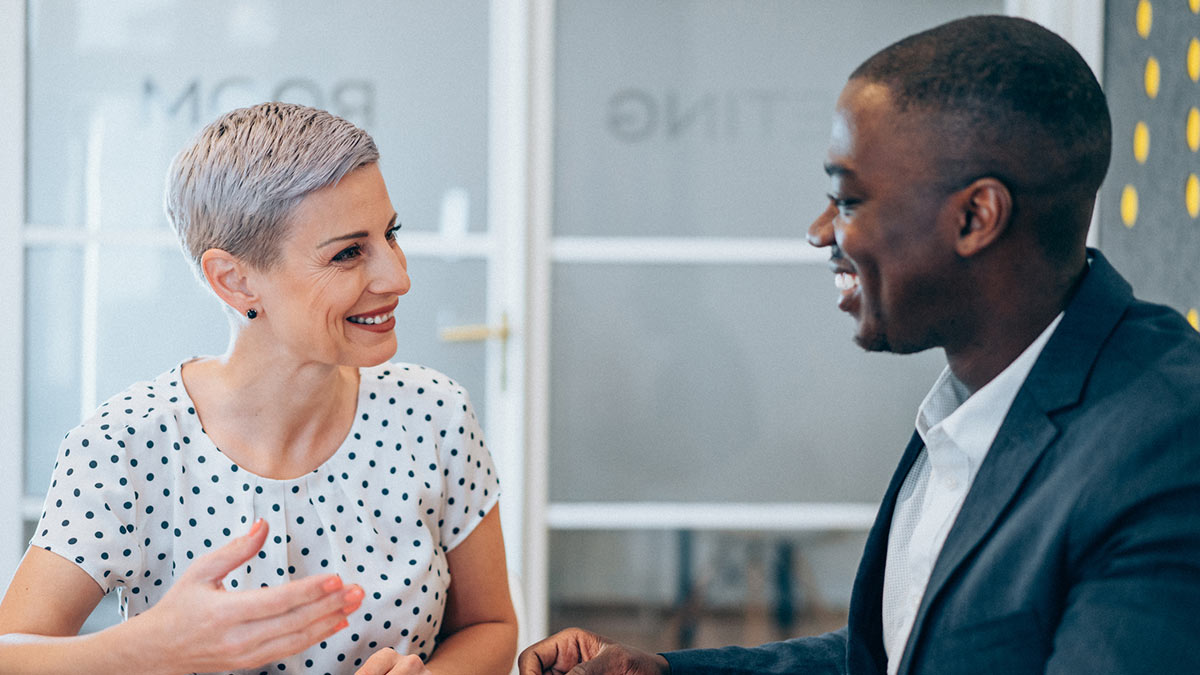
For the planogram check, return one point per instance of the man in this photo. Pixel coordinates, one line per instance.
(1045, 516)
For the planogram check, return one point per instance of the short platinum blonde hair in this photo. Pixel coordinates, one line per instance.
(236, 184)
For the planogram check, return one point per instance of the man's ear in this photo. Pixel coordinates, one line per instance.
(229, 278)
(985, 208)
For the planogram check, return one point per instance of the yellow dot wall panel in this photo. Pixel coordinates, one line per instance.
(1150, 203)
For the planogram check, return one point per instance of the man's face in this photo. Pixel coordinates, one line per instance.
(890, 224)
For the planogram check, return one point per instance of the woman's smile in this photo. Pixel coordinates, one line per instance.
(376, 321)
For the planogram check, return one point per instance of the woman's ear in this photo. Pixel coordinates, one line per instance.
(229, 278)
(986, 210)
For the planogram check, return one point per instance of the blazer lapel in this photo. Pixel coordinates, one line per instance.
(1055, 382)
(865, 652)
(1025, 435)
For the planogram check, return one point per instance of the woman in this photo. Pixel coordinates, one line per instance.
(362, 490)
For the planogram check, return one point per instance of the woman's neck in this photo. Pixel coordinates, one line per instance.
(272, 415)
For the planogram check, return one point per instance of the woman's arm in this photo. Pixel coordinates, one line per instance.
(197, 626)
(479, 627)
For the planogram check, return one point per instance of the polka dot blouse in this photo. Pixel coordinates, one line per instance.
(140, 491)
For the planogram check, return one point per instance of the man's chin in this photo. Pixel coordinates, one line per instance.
(873, 343)
(880, 343)
(869, 336)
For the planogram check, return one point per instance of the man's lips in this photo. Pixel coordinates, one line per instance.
(845, 279)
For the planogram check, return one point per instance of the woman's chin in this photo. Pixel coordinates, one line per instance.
(367, 357)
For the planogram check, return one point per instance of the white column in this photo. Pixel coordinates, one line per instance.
(12, 287)
(1080, 22)
(508, 180)
(541, 149)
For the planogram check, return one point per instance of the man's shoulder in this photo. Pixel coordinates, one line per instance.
(1154, 346)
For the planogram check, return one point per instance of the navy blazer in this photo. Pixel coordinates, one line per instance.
(1077, 550)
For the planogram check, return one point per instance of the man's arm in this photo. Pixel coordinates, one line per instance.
(596, 655)
(819, 655)
(1134, 608)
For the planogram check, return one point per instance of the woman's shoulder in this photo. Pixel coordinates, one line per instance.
(140, 405)
(409, 378)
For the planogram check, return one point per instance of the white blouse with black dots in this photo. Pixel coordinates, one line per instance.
(139, 491)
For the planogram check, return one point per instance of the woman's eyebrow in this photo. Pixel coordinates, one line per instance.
(344, 237)
(355, 235)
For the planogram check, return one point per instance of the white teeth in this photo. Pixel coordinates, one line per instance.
(845, 281)
(371, 320)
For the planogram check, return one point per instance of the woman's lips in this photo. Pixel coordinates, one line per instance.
(378, 322)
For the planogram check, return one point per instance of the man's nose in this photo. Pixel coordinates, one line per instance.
(820, 233)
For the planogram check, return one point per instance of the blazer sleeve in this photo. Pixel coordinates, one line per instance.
(1137, 592)
(818, 655)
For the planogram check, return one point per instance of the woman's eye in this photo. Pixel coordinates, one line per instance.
(348, 253)
(391, 233)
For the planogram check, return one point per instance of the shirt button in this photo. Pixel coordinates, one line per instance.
(950, 483)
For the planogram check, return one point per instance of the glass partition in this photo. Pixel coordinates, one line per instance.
(116, 88)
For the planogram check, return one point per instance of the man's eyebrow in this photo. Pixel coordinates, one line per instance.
(355, 235)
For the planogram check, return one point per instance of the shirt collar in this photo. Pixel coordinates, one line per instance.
(972, 421)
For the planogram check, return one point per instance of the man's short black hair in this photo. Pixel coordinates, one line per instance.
(1007, 97)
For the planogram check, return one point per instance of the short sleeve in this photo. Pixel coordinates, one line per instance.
(88, 516)
(472, 486)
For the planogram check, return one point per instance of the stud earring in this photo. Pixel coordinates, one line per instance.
(251, 313)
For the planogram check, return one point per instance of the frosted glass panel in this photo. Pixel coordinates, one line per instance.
(152, 315)
(117, 87)
(444, 293)
(711, 383)
(708, 117)
(52, 404)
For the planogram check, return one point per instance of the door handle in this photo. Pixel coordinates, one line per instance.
(476, 332)
(479, 332)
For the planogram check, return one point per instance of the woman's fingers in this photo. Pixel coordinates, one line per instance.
(409, 665)
(388, 662)
(271, 601)
(282, 644)
(295, 620)
(213, 567)
(379, 663)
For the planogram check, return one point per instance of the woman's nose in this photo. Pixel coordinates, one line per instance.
(820, 232)
(391, 274)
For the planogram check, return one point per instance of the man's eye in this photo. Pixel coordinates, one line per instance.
(348, 253)
(843, 204)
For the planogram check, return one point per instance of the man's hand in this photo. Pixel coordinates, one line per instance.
(578, 652)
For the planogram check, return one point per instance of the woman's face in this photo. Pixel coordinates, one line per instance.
(330, 298)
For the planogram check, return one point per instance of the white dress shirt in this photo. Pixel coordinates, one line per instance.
(957, 430)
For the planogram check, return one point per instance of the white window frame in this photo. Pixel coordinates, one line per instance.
(12, 277)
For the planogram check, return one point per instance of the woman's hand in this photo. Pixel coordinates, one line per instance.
(388, 662)
(198, 626)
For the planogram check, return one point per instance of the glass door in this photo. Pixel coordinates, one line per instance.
(698, 376)
(114, 90)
